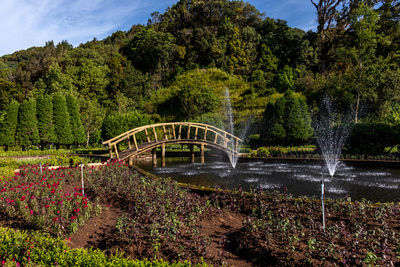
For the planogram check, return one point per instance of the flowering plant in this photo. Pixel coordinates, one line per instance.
(50, 201)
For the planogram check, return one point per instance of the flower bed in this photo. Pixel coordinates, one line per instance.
(47, 200)
(285, 231)
(160, 217)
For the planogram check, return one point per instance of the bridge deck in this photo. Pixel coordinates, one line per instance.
(147, 137)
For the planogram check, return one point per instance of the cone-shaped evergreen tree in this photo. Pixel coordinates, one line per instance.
(78, 132)
(274, 115)
(27, 131)
(9, 125)
(62, 125)
(297, 122)
(44, 111)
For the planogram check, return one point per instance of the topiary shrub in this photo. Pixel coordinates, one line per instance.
(263, 152)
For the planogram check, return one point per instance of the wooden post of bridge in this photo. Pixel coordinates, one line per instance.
(192, 153)
(163, 154)
(130, 161)
(202, 153)
(154, 157)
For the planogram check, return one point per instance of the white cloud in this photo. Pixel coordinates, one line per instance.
(26, 23)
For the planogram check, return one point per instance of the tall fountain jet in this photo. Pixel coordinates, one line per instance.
(331, 130)
(228, 107)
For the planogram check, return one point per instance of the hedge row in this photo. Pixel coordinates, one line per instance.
(22, 248)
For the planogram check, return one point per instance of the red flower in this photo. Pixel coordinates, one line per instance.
(23, 198)
(31, 211)
(55, 219)
(73, 218)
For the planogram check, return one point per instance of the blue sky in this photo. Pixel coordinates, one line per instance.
(26, 23)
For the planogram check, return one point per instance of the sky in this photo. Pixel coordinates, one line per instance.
(27, 23)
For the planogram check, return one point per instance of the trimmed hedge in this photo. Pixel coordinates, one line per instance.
(21, 248)
(372, 138)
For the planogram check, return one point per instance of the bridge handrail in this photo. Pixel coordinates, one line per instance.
(115, 140)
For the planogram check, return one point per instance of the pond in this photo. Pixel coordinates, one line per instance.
(298, 178)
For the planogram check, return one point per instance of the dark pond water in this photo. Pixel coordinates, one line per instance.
(300, 178)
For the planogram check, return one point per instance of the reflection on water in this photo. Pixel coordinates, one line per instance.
(372, 183)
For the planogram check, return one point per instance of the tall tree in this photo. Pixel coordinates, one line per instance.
(27, 131)
(44, 111)
(327, 15)
(9, 125)
(61, 121)
(297, 121)
(78, 131)
(92, 117)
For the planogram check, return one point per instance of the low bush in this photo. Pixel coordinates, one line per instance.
(372, 138)
(279, 151)
(65, 160)
(7, 167)
(263, 152)
(21, 248)
(34, 152)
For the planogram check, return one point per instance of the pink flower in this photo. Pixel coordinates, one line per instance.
(31, 211)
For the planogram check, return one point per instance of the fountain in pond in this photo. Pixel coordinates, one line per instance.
(233, 158)
(331, 130)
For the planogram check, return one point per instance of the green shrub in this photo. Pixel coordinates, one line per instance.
(117, 124)
(44, 110)
(65, 160)
(61, 121)
(7, 167)
(287, 121)
(263, 152)
(27, 134)
(38, 249)
(372, 138)
(9, 125)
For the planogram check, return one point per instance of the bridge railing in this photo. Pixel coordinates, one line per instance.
(161, 132)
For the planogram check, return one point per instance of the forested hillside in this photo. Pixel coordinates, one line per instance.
(178, 65)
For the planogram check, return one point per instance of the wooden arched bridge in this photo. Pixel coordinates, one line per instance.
(150, 137)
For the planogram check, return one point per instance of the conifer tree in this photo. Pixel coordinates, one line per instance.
(273, 120)
(77, 129)
(44, 111)
(61, 121)
(27, 131)
(297, 123)
(9, 125)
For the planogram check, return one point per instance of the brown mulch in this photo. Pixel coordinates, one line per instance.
(219, 227)
(96, 229)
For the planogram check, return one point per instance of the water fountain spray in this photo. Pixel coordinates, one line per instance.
(228, 106)
(331, 130)
(233, 158)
